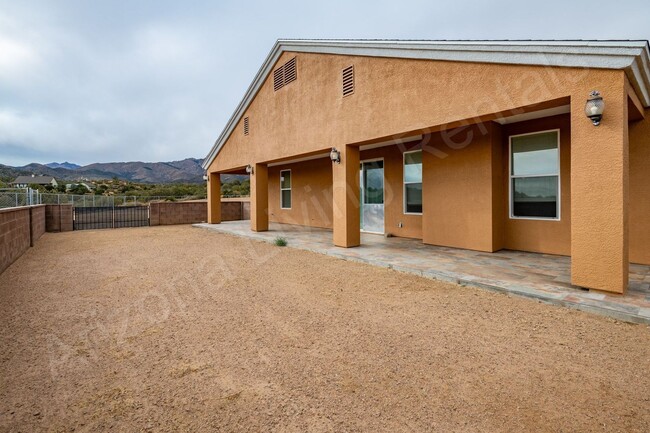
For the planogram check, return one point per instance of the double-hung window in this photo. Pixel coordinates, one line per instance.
(413, 182)
(535, 175)
(285, 189)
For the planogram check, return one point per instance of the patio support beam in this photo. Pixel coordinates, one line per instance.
(599, 190)
(260, 198)
(214, 198)
(345, 179)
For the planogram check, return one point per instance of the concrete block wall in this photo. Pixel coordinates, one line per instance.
(190, 212)
(37, 223)
(186, 212)
(58, 217)
(20, 227)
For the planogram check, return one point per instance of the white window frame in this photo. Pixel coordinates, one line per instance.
(558, 174)
(404, 183)
(286, 189)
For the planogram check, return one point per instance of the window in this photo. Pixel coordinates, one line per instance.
(285, 189)
(413, 182)
(535, 175)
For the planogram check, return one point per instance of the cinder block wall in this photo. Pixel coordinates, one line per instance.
(58, 217)
(186, 212)
(20, 227)
(190, 212)
(37, 221)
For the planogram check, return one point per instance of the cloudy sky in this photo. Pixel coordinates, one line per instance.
(101, 81)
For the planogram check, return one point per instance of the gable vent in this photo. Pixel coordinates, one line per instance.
(246, 126)
(278, 78)
(290, 73)
(285, 74)
(348, 80)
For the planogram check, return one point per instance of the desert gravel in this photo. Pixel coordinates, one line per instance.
(177, 328)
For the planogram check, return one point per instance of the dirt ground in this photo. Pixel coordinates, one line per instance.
(182, 329)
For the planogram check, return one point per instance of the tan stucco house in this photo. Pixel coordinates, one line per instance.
(476, 145)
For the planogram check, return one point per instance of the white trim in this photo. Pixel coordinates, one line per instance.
(290, 189)
(631, 56)
(404, 182)
(361, 196)
(559, 178)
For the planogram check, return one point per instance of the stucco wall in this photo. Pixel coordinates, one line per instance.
(311, 193)
(542, 236)
(640, 190)
(458, 189)
(392, 97)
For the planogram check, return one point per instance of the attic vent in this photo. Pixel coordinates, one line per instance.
(290, 73)
(246, 126)
(278, 78)
(285, 74)
(348, 80)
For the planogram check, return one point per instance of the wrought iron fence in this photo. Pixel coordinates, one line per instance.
(13, 197)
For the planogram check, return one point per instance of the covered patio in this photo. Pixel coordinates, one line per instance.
(539, 276)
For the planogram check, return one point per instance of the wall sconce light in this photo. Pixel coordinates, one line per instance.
(206, 177)
(249, 169)
(335, 155)
(594, 107)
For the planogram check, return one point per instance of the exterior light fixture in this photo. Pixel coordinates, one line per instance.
(206, 177)
(594, 107)
(249, 169)
(335, 155)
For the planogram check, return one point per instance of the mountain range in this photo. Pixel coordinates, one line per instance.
(186, 171)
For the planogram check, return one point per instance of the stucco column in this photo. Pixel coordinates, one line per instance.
(260, 198)
(214, 198)
(599, 192)
(346, 218)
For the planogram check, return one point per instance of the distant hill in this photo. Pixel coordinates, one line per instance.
(186, 171)
(68, 165)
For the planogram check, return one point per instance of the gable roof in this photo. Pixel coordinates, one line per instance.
(632, 56)
(40, 180)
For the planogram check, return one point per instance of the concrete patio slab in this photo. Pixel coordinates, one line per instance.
(538, 276)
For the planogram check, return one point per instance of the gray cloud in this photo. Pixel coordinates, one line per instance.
(157, 80)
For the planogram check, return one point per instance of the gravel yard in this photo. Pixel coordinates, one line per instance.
(176, 328)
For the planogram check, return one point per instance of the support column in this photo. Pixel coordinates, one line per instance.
(260, 198)
(599, 192)
(214, 198)
(345, 178)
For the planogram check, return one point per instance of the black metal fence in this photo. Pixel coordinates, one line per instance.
(90, 218)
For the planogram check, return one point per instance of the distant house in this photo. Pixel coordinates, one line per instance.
(25, 181)
(88, 185)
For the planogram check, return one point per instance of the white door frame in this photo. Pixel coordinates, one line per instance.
(361, 194)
